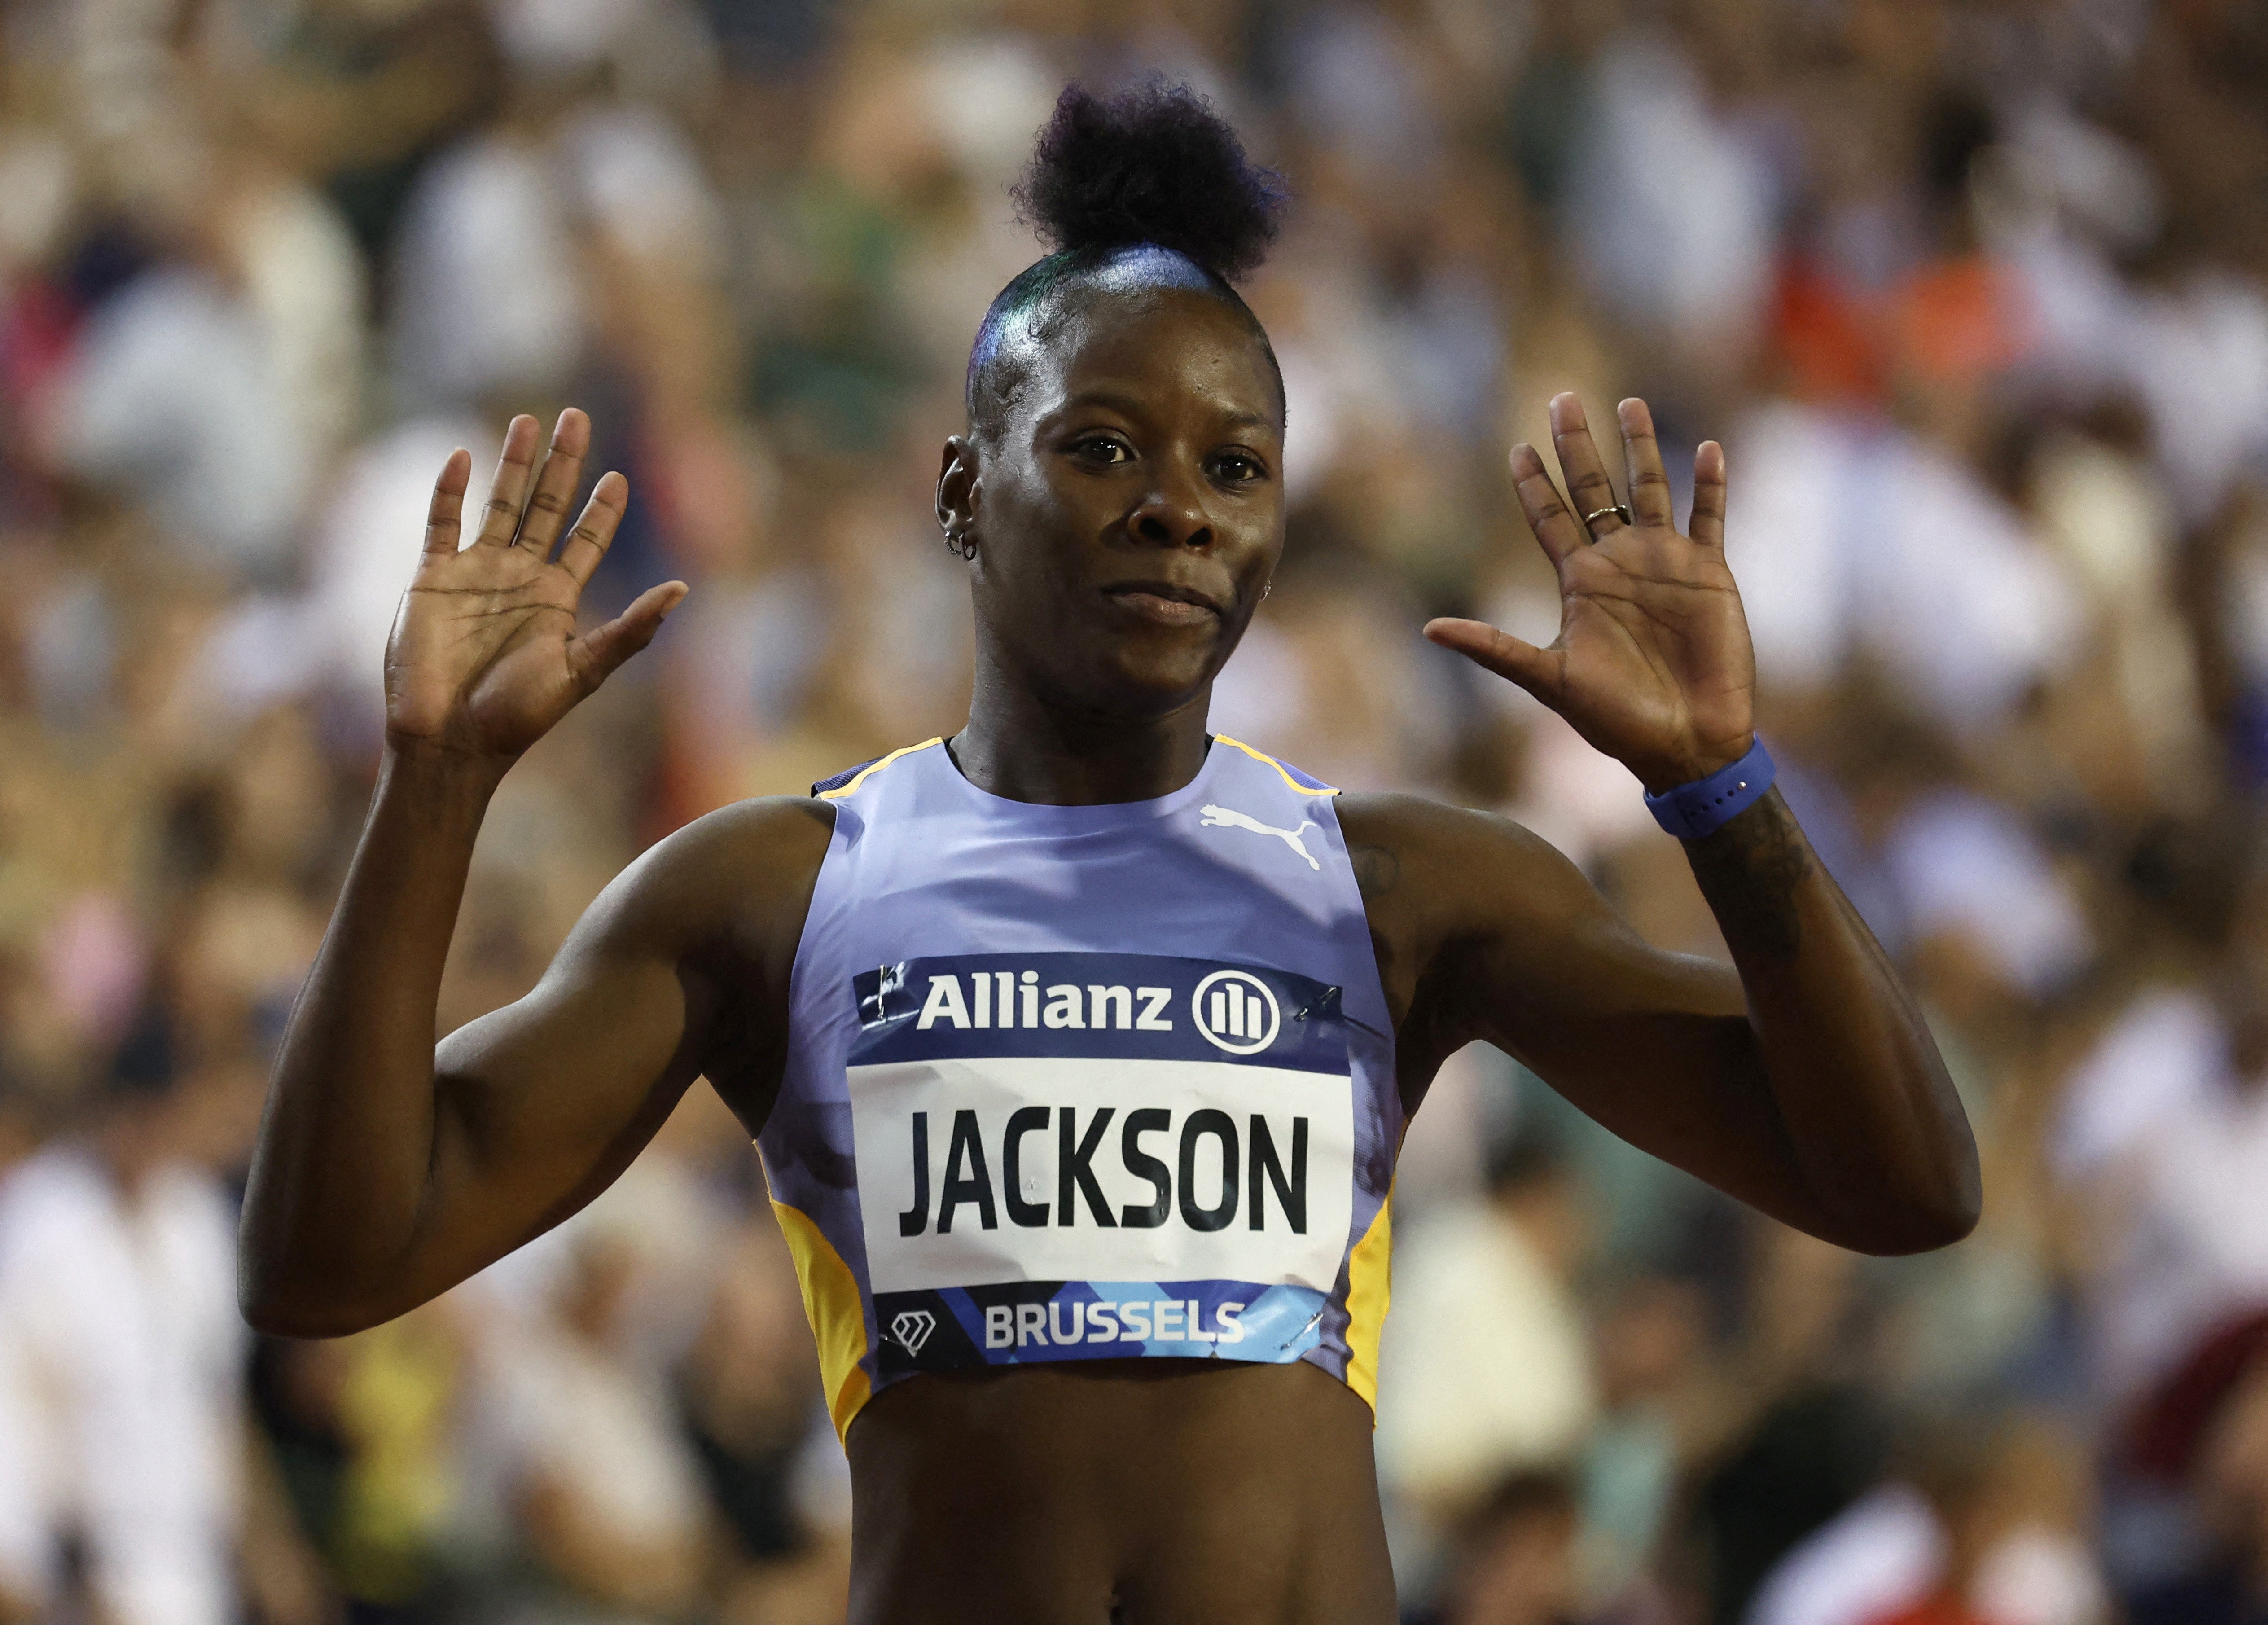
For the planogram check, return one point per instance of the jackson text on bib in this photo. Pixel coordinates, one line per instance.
(1080, 1155)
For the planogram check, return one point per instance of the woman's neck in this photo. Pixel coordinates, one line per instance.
(1023, 748)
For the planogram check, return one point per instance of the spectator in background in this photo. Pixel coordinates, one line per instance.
(215, 383)
(1981, 1521)
(1516, 1556)
(2162, 1146)
(1673, 200)
(2211, 1429)
(368, 1433)
(1485, 1367)
(605, 1494)
(574, 1411)
(117, 1272)
(1798, 1437)
(27, 1554)
(745, 1391)
(1649, 1351)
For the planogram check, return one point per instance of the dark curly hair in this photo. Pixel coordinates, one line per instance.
(1151, 168)
(1157, 166)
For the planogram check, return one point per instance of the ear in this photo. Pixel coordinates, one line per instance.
(957, 484)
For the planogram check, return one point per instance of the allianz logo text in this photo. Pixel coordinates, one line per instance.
(1234, 1010)
(1253, 1151)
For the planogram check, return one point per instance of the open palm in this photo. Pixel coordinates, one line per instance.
(484, 657)
(1653, 663)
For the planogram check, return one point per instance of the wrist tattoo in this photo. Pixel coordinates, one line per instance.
(1750, 871)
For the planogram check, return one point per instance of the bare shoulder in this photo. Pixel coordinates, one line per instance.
(1456, 901)
(742, 874)
(769, 836)
(1443, 859)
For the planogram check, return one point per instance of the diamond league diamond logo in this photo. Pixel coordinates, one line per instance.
(912, 1329)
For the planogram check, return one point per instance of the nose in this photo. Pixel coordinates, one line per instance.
(1170, 516)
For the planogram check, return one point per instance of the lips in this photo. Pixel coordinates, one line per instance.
(1166, 603)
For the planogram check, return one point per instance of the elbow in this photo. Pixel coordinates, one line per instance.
(275, 1317)
(293, 1281)
(1925, 1221)
(1922, 1230)
(1927, 1194)
(277, 1307)
(1959, 1216)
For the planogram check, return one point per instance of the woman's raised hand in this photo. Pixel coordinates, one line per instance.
(1653, 663)
(484, 656)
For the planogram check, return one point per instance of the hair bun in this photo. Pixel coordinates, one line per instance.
(1155, 164)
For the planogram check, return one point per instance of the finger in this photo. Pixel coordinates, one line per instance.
(1538, 671)
(1708, 526)
(602, 651)
(1557, 531)
(1650, 500)
(508, 490)
(1588, 488)
(445, 516)
(555, 486)
(594, 531)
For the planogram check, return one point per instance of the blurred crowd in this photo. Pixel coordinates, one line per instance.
(1976, 293)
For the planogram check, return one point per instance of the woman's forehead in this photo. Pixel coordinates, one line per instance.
(1160, 347)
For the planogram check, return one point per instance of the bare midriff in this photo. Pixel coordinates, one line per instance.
(1118, 1493)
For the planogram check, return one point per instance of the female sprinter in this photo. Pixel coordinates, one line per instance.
(1078, 1046)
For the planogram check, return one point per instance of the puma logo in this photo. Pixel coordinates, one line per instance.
(1229, 818)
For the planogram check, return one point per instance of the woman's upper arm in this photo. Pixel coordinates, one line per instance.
(1485, 931)
(1494, 936)
(682, 960)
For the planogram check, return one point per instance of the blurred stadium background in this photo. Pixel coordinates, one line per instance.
(1974, 292)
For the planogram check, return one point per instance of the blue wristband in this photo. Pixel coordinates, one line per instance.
(1689, 811)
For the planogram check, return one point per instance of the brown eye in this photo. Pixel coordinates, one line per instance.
(1105, 450)
(1239, 468)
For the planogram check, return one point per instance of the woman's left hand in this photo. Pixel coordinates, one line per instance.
(1653, 663)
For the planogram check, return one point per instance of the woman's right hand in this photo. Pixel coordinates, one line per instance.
(484, 657)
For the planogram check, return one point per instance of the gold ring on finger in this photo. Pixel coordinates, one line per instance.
(1620, 510)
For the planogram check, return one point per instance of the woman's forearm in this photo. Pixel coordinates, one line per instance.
(341, 1172)
(1871, 1116)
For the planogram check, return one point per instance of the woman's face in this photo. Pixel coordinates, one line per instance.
(1130, 513)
